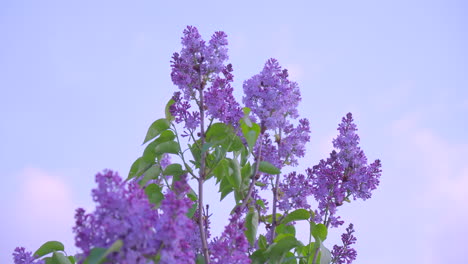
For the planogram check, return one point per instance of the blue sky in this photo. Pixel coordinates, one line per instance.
(80, 82)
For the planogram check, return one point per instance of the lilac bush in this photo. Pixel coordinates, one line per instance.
(155, 216)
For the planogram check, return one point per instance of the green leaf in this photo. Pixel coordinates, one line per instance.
(174, 169)
(169, 116)
(262, 243)
(269, 168)
(217, 132)
(60, 258)
(192, 210)
(278, 249)
(154, 193)
(196, 152)
(207, 146)
(269, 218)
(299, 214)
(225, 188)
(72, 259)
(150, 174)
(258, 257)
(138, 167)
(250, 132)
(156, 128)
(236, 173)
(48, 247)
(251, 222)
(319, 232)
(221, 170)
(200, 259)
(285, 229)
(166, 135)
(167, 147)
(98, 255)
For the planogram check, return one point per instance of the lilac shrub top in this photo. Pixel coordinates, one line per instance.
(154, 216)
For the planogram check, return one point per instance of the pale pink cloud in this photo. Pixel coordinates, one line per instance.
(439, 204)
(44, 209)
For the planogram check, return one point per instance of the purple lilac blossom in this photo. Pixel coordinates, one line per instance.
(271, 96)
(359, 178)
(292, 144)
(122, 212)
(174, 227)
(21, 256)
(344, 174)
(180, 110)
(219, 100)
(232, 246)
(345, 254)
(294, 191)
(197, 65)
(273, 100)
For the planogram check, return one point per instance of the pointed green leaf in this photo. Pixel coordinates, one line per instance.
(154, 193)
(217, 132)
(319, 232)
(98, 255)
(262, 243)
(192, 210)
(138, 167)
(281, 247)
(251, 222)
(156, 128)
(299, 214)
(200, 259)
(150, 174)
(269, 168)
(49, 247)
(236, 173)
(167, 147)
(174, 169)
(60, 258)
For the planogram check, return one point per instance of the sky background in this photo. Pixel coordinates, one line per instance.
(81, 81)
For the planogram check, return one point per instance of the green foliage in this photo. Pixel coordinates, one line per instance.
(154, 193)
(319, 232)
(156, 128)
(49, 247)
(269, 168)
(296, 215)
(98, 255)
(251, 222)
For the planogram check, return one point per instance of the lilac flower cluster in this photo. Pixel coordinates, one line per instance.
(21, 256)
(271, 96)
(273, 100)
(123, 212)
(180, 110)
(345, 254)
(219, 100)
(174, 227)
(344, 174)
(295, 188)
(197, 65)
(232, 246)
(360, 179)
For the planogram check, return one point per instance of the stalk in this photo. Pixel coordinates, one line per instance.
(201, 179)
